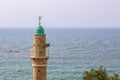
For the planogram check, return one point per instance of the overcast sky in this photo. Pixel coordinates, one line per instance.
(60, 13)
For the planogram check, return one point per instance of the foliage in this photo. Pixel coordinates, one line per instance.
(99, 74)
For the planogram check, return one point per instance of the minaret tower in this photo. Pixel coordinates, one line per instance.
(39, 57)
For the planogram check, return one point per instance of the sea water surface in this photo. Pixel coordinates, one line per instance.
(72, 52)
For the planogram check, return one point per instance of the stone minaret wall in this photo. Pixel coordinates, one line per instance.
(39, 57)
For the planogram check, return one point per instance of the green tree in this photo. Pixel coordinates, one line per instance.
(99, 74)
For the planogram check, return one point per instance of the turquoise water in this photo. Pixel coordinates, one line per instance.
(72, 52)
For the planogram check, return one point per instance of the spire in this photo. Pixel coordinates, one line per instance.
(40, 17)
(39, 30)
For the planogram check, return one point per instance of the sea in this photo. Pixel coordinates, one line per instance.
(72, 52)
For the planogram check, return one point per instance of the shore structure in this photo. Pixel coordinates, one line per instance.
(39, 54)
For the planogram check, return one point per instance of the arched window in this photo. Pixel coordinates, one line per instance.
(38, 51)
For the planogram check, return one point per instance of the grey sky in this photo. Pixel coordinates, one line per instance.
(60, 13)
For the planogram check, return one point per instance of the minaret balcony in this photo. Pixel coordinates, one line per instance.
(33, 56)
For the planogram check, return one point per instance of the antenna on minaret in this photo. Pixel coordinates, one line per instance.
(40, 17)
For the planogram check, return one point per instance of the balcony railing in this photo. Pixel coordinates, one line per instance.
(32, 53)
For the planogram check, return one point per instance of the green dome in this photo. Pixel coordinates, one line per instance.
(39, 30)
